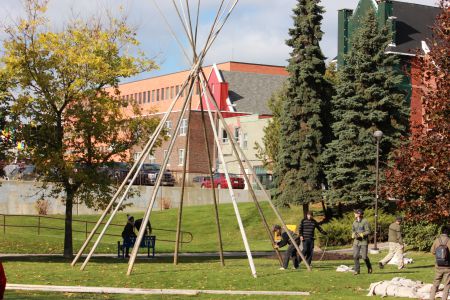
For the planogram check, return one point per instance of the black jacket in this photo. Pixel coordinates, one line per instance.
(128, 231)
(285, 240)
(307, 227)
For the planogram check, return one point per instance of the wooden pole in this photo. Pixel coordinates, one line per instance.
(158, 183)
(242, 155)
(250, 188)
(216, 206)
(230, 189)
(183, 182)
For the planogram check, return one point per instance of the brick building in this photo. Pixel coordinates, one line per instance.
(410, 25)
(240, 89)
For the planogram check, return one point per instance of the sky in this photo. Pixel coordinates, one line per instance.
(255, 33)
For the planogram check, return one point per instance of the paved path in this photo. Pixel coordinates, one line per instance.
(136, 291)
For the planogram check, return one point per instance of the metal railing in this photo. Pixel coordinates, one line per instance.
(187, 236)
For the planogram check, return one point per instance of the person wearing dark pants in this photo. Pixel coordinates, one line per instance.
(360, 235)
(128, 234)
(306, 231)
(291, 252)
(442, 270)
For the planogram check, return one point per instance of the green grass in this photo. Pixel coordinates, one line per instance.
(323, 282)
(198, 220)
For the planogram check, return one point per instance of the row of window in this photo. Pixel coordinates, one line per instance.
(167, 93)
(183, 127)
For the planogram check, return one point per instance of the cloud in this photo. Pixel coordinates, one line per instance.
(256, 32)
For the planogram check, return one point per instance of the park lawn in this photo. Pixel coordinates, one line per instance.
(199, 220)
(203, 273)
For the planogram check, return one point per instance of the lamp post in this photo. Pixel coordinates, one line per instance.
(377, 134)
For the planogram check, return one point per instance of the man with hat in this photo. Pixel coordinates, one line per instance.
(395, 244)
(360, 235)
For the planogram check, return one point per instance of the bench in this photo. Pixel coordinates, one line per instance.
(147, 242)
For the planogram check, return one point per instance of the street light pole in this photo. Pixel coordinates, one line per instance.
(377, 134)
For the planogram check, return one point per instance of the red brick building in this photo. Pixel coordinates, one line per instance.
(239, 88)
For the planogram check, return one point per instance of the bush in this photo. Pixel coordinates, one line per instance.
(420, 236)
(340, 230)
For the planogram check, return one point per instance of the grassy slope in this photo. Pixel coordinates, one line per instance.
(323, 282)
(198, 220)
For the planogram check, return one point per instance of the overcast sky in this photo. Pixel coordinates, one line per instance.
(256, 32)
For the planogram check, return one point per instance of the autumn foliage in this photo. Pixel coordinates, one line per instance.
(420, 176)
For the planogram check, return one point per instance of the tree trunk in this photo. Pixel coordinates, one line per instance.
(68, 246)
(305, 209)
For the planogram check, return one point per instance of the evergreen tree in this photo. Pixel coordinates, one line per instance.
(368, 99)
(298, 174)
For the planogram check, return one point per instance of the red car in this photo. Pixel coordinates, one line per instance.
(220, 181)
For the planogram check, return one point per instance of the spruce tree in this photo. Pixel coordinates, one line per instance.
(368, 98)
(298, 174)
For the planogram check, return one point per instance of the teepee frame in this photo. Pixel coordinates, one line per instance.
(195, 77)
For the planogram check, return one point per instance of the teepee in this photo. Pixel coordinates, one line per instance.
(195, 77)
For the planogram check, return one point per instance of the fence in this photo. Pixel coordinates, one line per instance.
(185, 238)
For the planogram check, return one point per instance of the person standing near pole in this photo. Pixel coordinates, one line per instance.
(395, 244)
(306, 231)
(291, 252)
(440, 250)
(360, 235)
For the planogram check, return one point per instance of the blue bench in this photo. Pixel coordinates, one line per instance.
(147, 242)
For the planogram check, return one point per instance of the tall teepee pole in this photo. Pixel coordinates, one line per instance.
(213, 191)
(183, 182)
(157, 184)
(224, 124)
(250, 188)
(230, 189)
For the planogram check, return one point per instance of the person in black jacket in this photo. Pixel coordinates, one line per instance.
(128, 234)
(138, 223)
(306, 231)
(291, 252)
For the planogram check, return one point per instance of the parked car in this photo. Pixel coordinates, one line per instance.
(151, 172)
(220, 181)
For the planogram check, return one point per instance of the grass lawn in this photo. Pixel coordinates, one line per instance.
(323, 282)
(198, 220)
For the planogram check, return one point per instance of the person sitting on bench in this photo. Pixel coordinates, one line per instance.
(128, 234)
(148, 229)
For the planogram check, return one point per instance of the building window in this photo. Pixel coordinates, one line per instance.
(140, 98)
(244, 142)
(180, 157)
(135, 98)
(153, 96)
(162, 94)
(151, 158)
(148, 97)
(183, 127)
(171, 92)
(157, 95)
(197, 88)
(177, 90)
(167, 93)
(224, 136)
(168, 126)
(237, 132)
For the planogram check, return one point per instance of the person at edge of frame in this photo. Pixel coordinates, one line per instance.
(360, 235)
(306, 231)
(442, 268)
(128, 234)
(291, 252)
